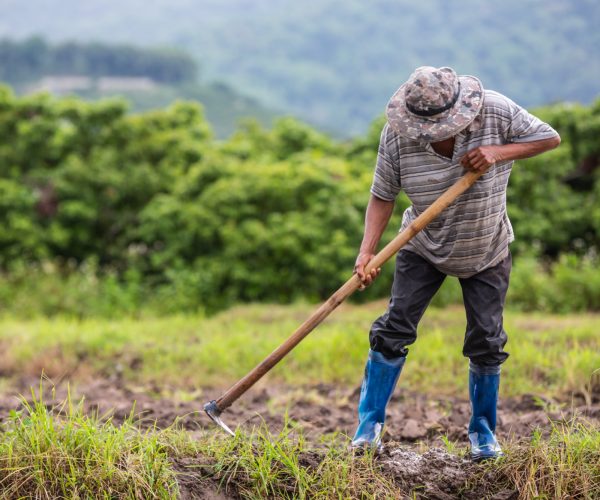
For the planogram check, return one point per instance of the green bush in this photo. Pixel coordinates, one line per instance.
(151, 205)
(570, 284)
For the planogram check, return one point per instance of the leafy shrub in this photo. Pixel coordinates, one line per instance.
(570, 284)
(152, 204)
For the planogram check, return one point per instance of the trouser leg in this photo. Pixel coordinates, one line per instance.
(484, 295)
(415, 283)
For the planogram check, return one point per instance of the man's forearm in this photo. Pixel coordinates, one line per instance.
(483, 157)
(376, 220)
(520, 150)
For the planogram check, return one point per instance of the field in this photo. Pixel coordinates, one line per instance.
(112, 409)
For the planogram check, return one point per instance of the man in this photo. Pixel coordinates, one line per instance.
(439, 124)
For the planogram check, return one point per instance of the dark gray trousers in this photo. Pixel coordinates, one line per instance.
(415, 283)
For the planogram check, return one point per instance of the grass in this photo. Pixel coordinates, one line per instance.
(62, 453)
(552, 356)
(288, 466)
(59, 452)
(564, 465)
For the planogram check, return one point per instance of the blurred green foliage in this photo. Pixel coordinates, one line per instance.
(150, 208)
(34, 58)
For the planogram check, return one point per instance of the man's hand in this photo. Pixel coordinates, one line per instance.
(481, 158)
(359, 268)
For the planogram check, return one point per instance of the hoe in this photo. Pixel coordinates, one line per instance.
(215, 408)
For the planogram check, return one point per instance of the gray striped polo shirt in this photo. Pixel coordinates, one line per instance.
(474, 232)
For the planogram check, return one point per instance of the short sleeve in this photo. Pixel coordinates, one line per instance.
(386, 180)
(524, 127)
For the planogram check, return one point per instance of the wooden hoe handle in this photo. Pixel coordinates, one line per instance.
(347, 289)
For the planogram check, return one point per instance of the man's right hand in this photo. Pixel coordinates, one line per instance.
(359, 268)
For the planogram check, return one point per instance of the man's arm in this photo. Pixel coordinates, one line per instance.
(484, 157)
(376, 220)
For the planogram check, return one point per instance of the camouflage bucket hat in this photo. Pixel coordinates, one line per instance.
(434, 104)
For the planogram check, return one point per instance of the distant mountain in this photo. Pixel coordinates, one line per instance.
(148, 78)
(336, 62)
(223, 106)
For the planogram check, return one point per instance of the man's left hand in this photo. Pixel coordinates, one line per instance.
(481, 158)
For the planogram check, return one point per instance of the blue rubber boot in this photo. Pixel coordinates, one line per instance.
(484, 382)
(381, 375)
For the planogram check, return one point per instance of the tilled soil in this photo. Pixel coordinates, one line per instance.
(323, 409)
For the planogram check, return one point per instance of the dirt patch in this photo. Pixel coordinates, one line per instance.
(194, 481)
(320, 409)
(411, 417)
(433, 474)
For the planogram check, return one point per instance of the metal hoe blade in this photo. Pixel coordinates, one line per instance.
(212, 410)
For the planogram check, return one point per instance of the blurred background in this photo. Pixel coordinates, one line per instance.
(187, 155)
(332, 63)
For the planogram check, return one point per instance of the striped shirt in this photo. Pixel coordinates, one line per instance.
(474, 232)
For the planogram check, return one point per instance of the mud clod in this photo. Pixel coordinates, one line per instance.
(413, 430)
(434, 474)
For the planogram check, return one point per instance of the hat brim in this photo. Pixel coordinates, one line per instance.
(438, 127)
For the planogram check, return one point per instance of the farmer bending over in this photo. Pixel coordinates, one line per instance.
(438, 124)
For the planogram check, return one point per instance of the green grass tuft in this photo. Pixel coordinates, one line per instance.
(259, 465)
(59, 452)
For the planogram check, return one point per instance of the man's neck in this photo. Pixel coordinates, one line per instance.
(444, 148)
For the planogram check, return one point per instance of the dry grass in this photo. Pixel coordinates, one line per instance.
(564, 465)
